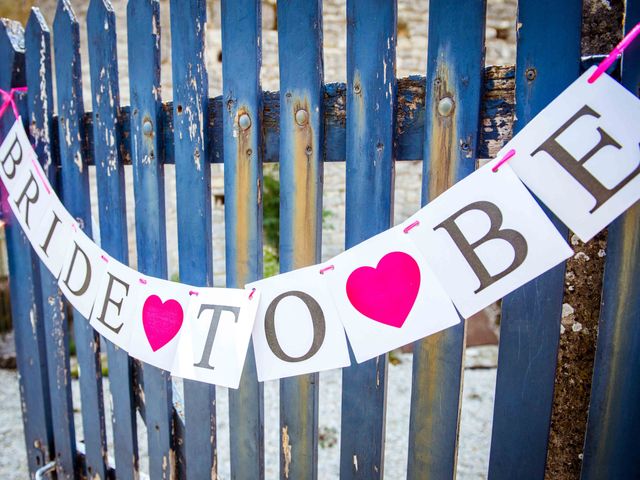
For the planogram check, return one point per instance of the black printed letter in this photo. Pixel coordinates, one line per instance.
(515, 239)
(15, 159)
(108, 300)
(208, 346)
(575, 167)
(317, 320)
(87, 278)
(33, 198)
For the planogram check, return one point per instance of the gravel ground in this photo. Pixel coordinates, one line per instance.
(475, 426)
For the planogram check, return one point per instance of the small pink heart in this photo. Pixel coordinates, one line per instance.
(386, 293)
(161, 321)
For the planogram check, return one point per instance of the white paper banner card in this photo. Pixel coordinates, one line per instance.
(32, 197)
(15, 156)
(82, 272)
(386, 295)
(215, 338)
(157, 320)
(581, 154)
(486, 236)
(51, 238)
(112, 313)
(297, 328)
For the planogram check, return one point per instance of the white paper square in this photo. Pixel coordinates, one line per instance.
(22, 149)
(115, 299)
(545, 247)
(216, 353)
(53, 233)
(157, 321)
(82, 271)
(619, 117)
(299, 350)
(386, 295)
(31, 185)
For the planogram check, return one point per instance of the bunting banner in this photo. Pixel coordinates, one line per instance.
(475, 243)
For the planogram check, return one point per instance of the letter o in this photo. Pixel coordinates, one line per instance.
(317, 320)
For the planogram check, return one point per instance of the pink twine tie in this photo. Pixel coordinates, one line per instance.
(10, 100)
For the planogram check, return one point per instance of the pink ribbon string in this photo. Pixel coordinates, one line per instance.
(10, 100)
(507, 156)
(613, 56)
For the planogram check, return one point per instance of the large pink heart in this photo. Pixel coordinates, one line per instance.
(161, 321)
(386, 293)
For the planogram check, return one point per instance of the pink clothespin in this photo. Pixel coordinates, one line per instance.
(613, 56)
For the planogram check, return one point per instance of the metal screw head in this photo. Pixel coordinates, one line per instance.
(309, 150)
(356, 88)
(445, 106)
(244, 121)
(147, 128)
(530, 73)
(302, 117)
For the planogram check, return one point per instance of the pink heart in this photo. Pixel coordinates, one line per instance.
(386, 293)
(161, 321)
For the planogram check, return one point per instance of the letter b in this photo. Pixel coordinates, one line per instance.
(12, 159)
(468, 250)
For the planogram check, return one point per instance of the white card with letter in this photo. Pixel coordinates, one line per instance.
(51, 237)
(486, 236)
(16, 154)
(386, 295)
(82, 272)
(112, 310)
(32, 198)
(297, 328)
(215, 339)
(581, 154)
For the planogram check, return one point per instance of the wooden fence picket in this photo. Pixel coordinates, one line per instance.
(452, 104)
(613, 428)
(548, 60)
(371, 101)
(72, 130)
(40, 100)
(193, 189)
(143, 24)
(301, 155)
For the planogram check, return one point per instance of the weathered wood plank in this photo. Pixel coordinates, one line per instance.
(26, 308)
(193, 186)
(496, 121)
(301, 154)
(548, 61)
(75, 190)
(40, 100)
(454, 79)
(143, 25)
(103, 63)
(242, 131)
(371, 99)
(613, 429)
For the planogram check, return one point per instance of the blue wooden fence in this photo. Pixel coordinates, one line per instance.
(371, 122)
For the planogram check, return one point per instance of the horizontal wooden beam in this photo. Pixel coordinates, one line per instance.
(495, 129)
(496, 120)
